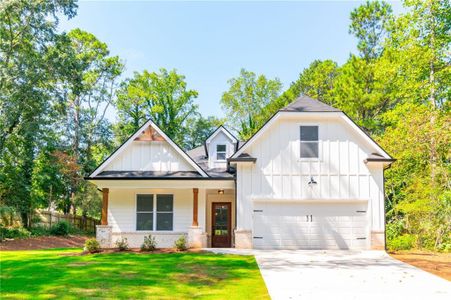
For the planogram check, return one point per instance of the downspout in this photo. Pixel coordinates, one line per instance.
(385, 213)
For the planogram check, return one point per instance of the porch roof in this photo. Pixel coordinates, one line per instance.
(214, 174)
(163, 183)
(147, 175)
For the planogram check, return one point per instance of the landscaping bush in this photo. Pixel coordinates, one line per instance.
(13, 233)
(180, 244)
(61, 228)
(445, 247)
(403, 242)
(394, 228)
(40, 230)
(150, 244)
(92, 246)
(122, 244)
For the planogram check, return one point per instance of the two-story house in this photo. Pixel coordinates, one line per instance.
(310, 178)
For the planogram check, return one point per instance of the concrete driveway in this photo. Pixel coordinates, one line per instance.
(346, 275)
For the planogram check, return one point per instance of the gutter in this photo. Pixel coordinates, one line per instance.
(242, 159)
(160, 178)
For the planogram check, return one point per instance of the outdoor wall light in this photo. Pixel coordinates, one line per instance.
(220, 192)
(312, 181)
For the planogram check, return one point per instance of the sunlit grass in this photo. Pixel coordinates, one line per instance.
(62, 273)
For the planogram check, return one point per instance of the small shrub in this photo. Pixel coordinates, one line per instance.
(150, 244)
(13, 233)
(403, 242)
(61, 228)
(394, 229)
(445, 247)
(39, 230)
(180, 244)
(92, 246)
(122, 244)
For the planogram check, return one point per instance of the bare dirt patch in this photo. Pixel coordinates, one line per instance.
(435, 263)
(196, 274)
(43, 242)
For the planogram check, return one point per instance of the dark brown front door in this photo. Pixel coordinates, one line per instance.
(221, 235)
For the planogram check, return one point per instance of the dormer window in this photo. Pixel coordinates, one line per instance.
(309, 142)
(221, 152)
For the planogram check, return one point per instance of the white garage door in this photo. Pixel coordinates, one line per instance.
(310, 226)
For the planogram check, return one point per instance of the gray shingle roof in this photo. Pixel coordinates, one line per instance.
(307, 104)
(197, 153)
(244, 157)
(148, 174)
(199, 156)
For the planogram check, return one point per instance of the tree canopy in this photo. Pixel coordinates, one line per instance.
(161, 96)
(246, 99)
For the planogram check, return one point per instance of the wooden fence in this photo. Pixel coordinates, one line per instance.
(49, 218)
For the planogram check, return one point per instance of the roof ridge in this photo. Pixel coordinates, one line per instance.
(305, 103)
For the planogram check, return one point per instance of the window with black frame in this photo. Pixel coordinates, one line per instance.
(154, 212)
(144, 212)
(165, 213)
(309, 142)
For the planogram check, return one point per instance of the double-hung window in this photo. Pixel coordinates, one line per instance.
(165, 213)
(309, 142)
(154, 212)
(221, 151)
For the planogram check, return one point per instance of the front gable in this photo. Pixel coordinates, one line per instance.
(340, 170)
(311, 118)
(149, 149)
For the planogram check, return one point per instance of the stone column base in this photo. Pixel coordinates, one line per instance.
(377, 240)
(243, 239)
(196, 238)
(103, 235)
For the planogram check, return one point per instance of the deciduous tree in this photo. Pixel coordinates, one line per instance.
(162, 96)
(246, 99)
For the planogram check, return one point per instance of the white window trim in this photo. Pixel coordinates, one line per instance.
(225, 152)
(154, 212)
(320, 152)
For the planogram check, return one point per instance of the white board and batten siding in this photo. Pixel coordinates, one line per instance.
(149, 156)
(280, 177)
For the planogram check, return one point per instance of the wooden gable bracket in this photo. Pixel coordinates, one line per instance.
(149, 135)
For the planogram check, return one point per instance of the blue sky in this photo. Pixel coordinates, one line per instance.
(209, 42)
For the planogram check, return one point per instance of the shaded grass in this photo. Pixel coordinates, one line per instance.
(55, 273)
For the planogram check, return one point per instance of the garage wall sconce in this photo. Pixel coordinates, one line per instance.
(312, 181)
(221, 192)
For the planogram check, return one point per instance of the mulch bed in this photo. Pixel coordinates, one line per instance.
(43, 242)
(435, 263)
(48, 242)
(137, 251)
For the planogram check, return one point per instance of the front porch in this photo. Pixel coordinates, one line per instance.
(202, 210)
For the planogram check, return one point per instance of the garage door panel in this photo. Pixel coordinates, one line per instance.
(286, 226)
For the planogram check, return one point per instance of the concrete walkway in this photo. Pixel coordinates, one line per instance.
(305, 274)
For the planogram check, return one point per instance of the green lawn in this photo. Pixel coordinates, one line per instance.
(47, 274)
